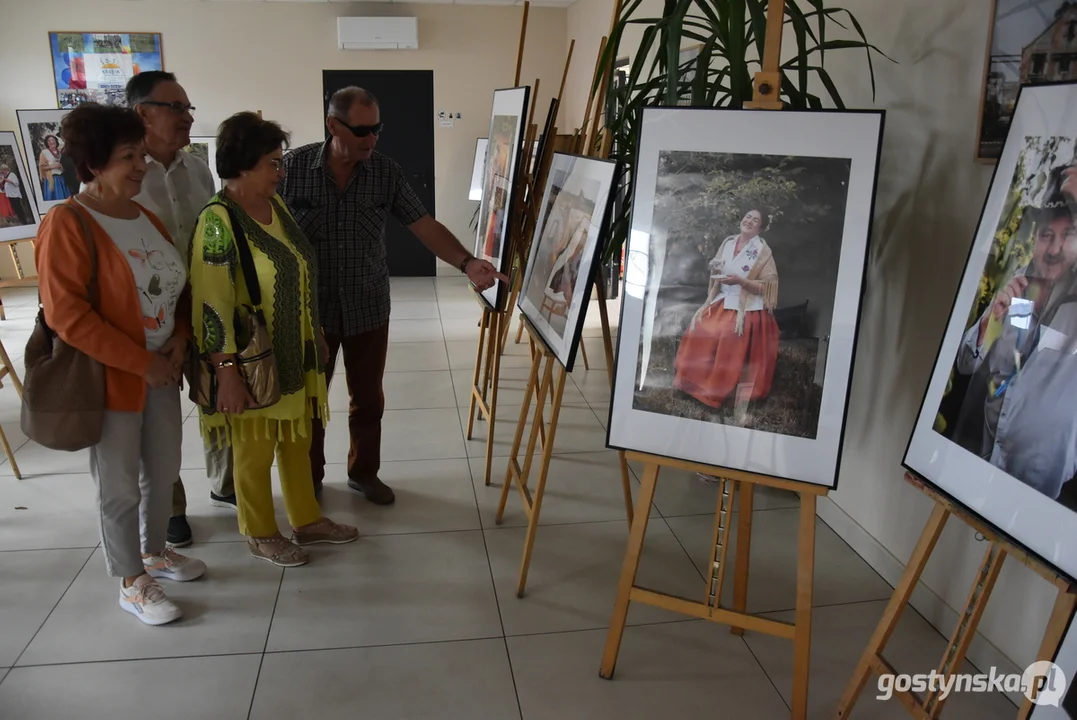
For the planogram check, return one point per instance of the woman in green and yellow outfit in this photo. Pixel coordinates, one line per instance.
(249, 160)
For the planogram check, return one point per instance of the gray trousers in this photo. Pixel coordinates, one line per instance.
(135, 466)
(219, 472)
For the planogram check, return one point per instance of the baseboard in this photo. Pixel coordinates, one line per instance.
(982, 653)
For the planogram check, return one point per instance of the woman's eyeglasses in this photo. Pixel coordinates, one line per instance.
(175, 106)
(277, 163)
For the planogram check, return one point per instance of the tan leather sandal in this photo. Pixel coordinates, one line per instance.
(278, 551)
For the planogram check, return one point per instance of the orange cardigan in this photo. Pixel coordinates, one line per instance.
(112, 333)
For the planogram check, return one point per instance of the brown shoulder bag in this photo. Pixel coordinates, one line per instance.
(63, 399)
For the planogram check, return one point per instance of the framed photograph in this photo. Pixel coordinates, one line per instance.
(476, 169)
(997, 429)
(1030, 42)
(743, 280)
(95, 66)
(54, 176)
(503, 158)
(565, 249)
(18, 212)
(204, 147)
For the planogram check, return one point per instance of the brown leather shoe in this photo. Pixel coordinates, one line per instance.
(374, 489)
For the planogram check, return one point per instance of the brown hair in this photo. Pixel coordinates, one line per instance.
(92, 131)
(243, 140)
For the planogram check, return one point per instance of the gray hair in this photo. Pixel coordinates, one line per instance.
(343, 100)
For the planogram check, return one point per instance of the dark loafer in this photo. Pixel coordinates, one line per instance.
(374, 489)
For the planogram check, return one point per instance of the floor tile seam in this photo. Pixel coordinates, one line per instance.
(54, 606)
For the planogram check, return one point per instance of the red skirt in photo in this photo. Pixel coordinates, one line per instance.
(6, 210)
(713, 361)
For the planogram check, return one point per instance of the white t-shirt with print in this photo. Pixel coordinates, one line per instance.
(160, 273)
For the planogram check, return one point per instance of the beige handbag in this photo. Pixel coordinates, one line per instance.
(63, 399)
(256, 362)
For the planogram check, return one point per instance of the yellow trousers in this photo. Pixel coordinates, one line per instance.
(253, 458)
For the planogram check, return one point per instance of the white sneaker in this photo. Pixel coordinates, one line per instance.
(170, 565)
(147, 601)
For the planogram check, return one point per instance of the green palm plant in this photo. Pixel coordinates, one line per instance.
(731, 35)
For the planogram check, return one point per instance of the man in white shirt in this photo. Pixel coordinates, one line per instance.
(10, 186)
(176, 188)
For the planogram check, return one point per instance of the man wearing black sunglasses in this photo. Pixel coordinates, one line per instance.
(341, 193)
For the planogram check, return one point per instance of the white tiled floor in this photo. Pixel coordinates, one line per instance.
(420, 619)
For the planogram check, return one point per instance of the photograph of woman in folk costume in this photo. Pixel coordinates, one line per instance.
(730, 349)
(51, 170)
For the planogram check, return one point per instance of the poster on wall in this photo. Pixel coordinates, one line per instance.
(18, 213)
(507, 119)
(54, 176)
(564, 253)
(204, 147)
(95, 66)
(743, 279)
(1030, 43)
(997, 429)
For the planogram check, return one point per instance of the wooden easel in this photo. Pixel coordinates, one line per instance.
(7, 369)
(873, 662)
(732, 483)
(547, 376)
(494, 322)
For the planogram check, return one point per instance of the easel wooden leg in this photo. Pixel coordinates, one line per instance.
(872, 661)
(6, 361)
(626, 486)
(1065, 604)
(495, 360)
(513, 469)
(628, 570)
(583, 351)
(540, 490)
(742, 562)
(719, 547)
(483, 323)
(968, 622)
(805, 586)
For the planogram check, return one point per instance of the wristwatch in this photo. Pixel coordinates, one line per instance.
(463, 265)
(230, 362)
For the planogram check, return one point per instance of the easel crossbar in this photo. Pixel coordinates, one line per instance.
(801, 488)
(722, 616)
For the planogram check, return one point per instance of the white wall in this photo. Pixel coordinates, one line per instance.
(270, 56)
(929, 200)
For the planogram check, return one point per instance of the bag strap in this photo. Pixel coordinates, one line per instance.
(91, 246)
(246, 260)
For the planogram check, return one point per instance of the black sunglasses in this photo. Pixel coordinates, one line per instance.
(362, 130)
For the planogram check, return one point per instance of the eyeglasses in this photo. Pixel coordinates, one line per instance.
(277, 163)
(362, 130)
(175, 106)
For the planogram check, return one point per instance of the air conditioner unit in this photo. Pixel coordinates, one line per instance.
(378, 33)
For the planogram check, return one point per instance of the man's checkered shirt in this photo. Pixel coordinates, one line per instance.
(346, 228)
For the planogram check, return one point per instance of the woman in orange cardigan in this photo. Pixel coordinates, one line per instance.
(137, 326)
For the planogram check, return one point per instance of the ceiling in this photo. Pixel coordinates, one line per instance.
(503, 3)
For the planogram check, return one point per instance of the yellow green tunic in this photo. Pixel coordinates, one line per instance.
(287, 276)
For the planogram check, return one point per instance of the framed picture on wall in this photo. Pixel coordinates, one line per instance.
(564, 252)
(204, 147)
(503, 156)
(743, 280)
(54, 176)
(95, 66)
(18, 212)
(1029, 43)
(997, 429)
